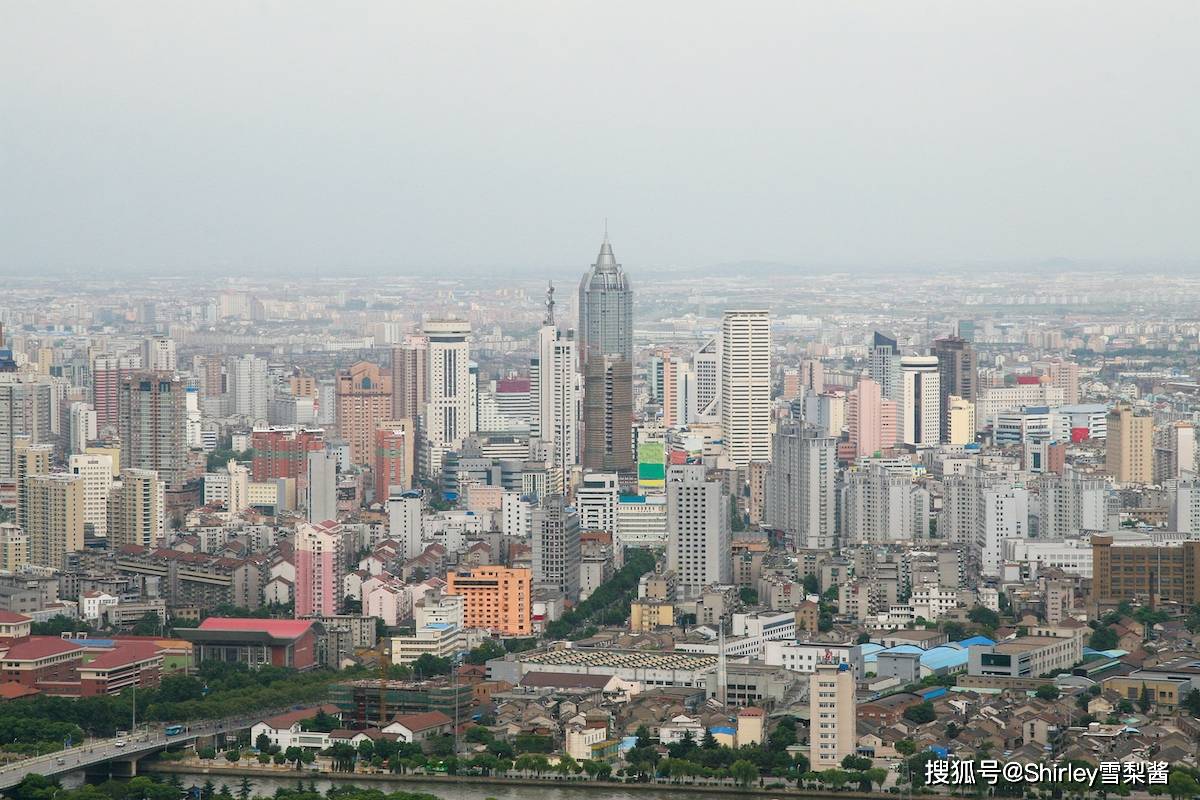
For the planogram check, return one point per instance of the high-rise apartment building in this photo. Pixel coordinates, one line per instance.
(83, 430)
(14, 547)
(870, 419)
(108, 373)
(1129, 454)
(364, 399)
(318, 569)
(698, 524)
(54, 517)
(605, 338)
(957, 375)
(960, 417)
(553, 375)
(746, 386)
(801, 497)
(30, 460)
(1002, 513)
(706, 365)
(96, 471)
(596, 500)
(920, 403)
(1071, 504)
(879, 506)
(395, 453)
(496, 598)
(404, 524)
(158, 354)
(137, 510)
(883, 365)
(153, 425)
(832, 715)
(556, 548)
(282, 452)
(249, 385)
(409, 373)
(27, 408)
(448, 414)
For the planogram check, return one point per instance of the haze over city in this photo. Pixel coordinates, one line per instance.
(411, 138)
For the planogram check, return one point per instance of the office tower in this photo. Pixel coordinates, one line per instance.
(26, 412)
(282, 452)
(1129, 454)
(496, 598)
(698, 518)
(1147, 574)
(879, 506)
(1174, 452)
(210, 380)
(606, 361)
(1185, 507)
(153, 425)
(1063, 375)
(920, 401)
(82, 427)
(556, 548)
(1002, 513)
(957, 375)
(30, 460)
(318, 569)
(14, 547)
(108, 374)
(409, 372)
(832, 714)
(883, 365)
(553, 376)
(1071, 505)
(137, 510)
(158, 354)
(447, 417)
(54, 517)
(514, 399)
(395, 452)
(812, 376)
(960, 418)
(364, 399)
(193, 422)
(966, 329)
(248, 383)
(404, 524)
(321, 492)
(870, 419)
(706, 364)
(801, 489)
(746, 386)
(97, 474)
(596, 500)
(674, 386)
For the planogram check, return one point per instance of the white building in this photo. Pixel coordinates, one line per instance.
(448, 412)
(404, 524)
(553, 376)
(641, 522)
(804, 656)
(994, 400)
(516, 515)
(248, 385)
(920, 402)
(1072, 556)
(83, 427)
(92, 604)
(746, 386)
(1002, 513)
(878, 506)
(699, 539)
(801, 495)
(706, 364)
(1070, 505)
(321, 491)
(596, 501)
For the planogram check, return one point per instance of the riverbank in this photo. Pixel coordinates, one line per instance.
(216, 772)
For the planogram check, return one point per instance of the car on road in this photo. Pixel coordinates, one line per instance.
(173, 730)
(119, 743)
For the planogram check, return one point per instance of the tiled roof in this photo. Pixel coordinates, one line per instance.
(36, 647)
(282, 628)
(422, 722)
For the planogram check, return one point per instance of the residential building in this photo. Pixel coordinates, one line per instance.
(96, 472)
(496, 598)
(364, 400)
(153, 425)
(957, 375)
(1129, 457)
(746, 386)
(556, 547)
(698, 525)
(800, 491)
(319, 569)
(395, 455)
(448, 414)
(54, 521)
(831, 707)
(137, 509)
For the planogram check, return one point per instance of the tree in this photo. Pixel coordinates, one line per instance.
(293, 754)
(1103, 639)
(206, 753)
(707, 742)
(744, 772)
(1144, 701)
(863, 638)
(984, 616)
(812, 584)
(906, 747)
(643, 736)
(748, 596)
(262, 743)
(245, 789)
(1047, 691)
(877, 776)
(1180, 784)
(856, 763)
(233, 755)
(955, 631)
(920, 713)
(1191, 703)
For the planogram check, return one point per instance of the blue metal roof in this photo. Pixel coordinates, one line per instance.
(944, 657)
(723, 729)
(976, 640)
(90, 642)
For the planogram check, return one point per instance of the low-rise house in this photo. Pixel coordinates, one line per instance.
(286, 730)
(411, 728)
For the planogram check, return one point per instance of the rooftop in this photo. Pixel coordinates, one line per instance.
(620, 659)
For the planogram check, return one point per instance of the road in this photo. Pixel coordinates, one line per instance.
(138, 743)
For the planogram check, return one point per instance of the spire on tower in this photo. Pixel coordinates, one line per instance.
(550, 303)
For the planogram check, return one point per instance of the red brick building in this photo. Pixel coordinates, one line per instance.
(283, 452)
(128, 664)
(255, 642)
(47, 663)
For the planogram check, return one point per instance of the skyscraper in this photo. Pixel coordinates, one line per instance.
(318, 569)
(1129, 454)
(553, 374)
(706, 363)
(321, 492)
(364, 399)
(153, 425)
(870, 419)
(97, 473)
(699, 543)
(448, 413)
(409, 370)
(26, 411)
(919, 401)
(801, 497)
(54, 517)
(957, 375)
(606, 361)
(108, 373)
(249, 386)
(746, 386)
(556, 548)
(394, 455)
(883, 364)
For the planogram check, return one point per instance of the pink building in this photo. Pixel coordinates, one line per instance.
(318, 568)
(870, 419)
(107, 374)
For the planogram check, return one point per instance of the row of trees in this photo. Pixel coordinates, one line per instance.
(37, 787)
(609, 603)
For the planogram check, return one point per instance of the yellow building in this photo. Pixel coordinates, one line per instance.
(649, 615)
(1129, 453)
(832, 714)
(495, 598)
(960, 421)
(14, 547)
(750, 724)
(55, 517)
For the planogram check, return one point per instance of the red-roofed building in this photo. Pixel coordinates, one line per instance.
(15, 691)
(419, 727)
(255, 642)
(47, 663)
(129, 663)
(14, 626)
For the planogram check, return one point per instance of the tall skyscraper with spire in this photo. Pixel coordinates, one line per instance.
(606, 361)
(553, 374)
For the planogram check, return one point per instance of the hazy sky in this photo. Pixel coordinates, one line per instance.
(418, 136)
